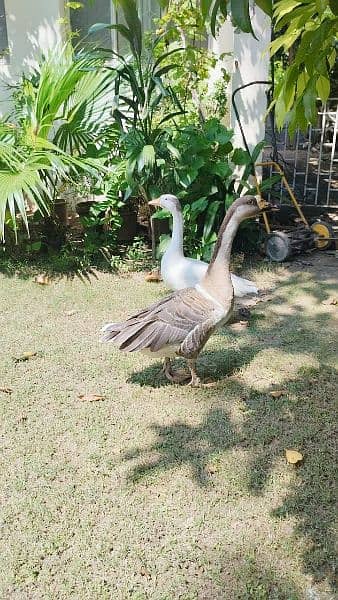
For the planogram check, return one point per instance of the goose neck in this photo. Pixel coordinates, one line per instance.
(177, 231)
(217, 281)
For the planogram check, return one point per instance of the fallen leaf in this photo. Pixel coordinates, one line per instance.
(277, 393)
(6, 390)
(212, 469)
(145, 573)
(239, 326)
(42, 279)
(25, 356)
(22, 419)
(154, 276)
(330, 301)
(90, 397)
(293, 456)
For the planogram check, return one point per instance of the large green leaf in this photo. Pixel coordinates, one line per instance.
(131, 17)
(334, 6)
(146, 157)
(213, 16)
(240, 15)
(323, 87)
(210, 216)
(266, 6)
(205, 7)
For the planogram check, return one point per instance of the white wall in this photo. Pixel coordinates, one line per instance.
(249, 61)
(33, 27)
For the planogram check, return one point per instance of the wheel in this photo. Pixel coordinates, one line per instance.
(322, 231)
(278, 246)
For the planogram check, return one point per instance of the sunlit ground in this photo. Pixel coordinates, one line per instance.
(160, 491)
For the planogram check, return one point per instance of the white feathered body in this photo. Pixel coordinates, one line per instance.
(179, 272)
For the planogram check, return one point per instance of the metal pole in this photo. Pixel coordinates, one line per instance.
(320, 152)
(307, 163)
(332, 157)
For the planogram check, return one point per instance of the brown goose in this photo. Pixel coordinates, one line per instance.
(181, 324)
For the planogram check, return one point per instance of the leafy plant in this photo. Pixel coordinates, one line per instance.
(144, 100)
(58, 115)
(104, 220)
(201, 173)
(182, 24)
(306, 28)
(310, 28)
(213, 9)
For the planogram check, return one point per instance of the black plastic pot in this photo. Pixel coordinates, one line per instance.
(129, 227)
(83, 207)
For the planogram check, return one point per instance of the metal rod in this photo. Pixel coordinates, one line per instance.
(292, 196)
(333, 151)
(320, 152)
(295, 160)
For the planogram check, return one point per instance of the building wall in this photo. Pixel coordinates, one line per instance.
(247, 60)
(33, 27)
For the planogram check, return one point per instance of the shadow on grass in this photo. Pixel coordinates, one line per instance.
(303, 418)
(182, 444)
(55, 268)
(255, 581)
(214, 365)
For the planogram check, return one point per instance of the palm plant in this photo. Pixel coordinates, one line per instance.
(59, 114)
(144, 101)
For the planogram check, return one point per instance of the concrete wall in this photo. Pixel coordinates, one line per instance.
(33, 27)
(249, 61)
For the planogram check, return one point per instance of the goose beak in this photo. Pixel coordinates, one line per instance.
(266, 206)
(263, 205)
(155, 202)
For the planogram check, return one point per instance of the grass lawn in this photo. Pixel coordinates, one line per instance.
(158, 491)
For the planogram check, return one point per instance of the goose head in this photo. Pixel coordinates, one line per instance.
(168, 202)
(248, 207)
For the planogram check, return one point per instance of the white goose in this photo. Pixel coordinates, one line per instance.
(179, 272)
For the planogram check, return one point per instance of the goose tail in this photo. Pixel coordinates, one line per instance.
(243, 287)
(109, 331)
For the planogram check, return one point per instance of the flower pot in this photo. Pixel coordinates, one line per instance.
(129, 227)
(60, 211)
(83, 207)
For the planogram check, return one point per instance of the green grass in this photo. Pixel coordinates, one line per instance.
(163, 492)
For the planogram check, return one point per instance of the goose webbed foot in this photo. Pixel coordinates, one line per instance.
(179, 376)
(195, 380)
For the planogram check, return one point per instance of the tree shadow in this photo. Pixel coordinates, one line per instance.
(303, 418)
(55, 270)
(257, 581)
(213, 365)
(308, 286)
(183, 444)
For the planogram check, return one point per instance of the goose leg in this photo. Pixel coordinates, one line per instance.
(195, 380)
(178, 377)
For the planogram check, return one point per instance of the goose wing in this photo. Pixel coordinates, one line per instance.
(166, 322)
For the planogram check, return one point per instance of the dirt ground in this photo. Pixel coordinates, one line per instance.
(165, 492)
